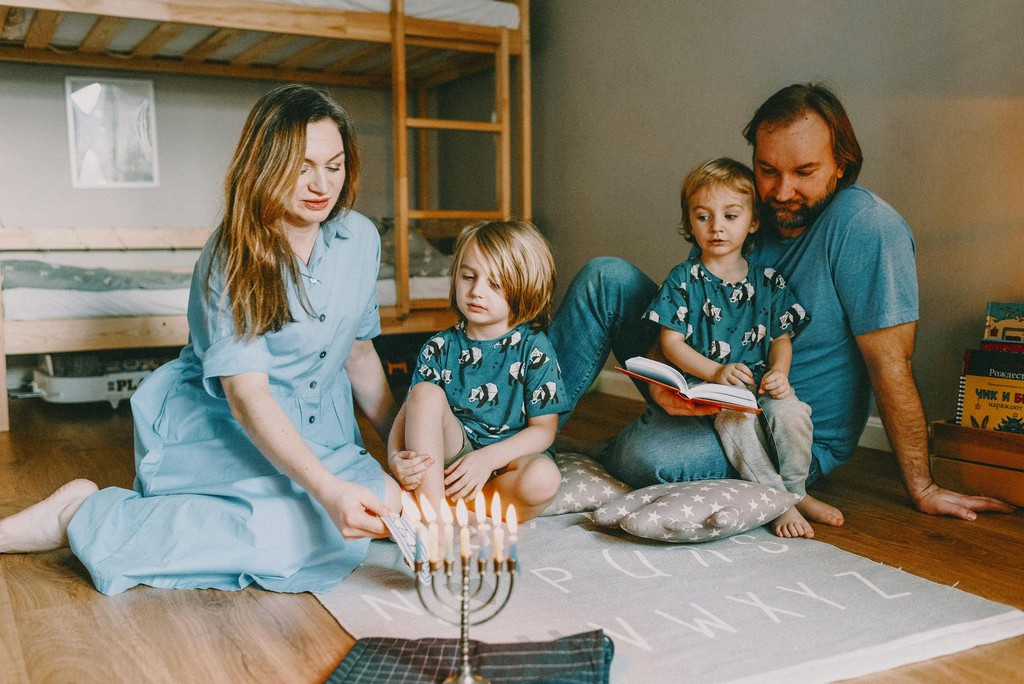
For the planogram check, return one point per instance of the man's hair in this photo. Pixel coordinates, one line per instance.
(785, 106)
(520, 259)
(717, 173)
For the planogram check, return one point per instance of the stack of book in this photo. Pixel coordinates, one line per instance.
(991, 394)
(982, 451)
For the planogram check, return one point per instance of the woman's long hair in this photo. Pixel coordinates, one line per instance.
(252, 248)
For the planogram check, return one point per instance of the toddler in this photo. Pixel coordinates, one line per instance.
(727, 321)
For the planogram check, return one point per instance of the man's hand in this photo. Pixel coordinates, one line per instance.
(408, 467)
(938, 501)
(675, 405)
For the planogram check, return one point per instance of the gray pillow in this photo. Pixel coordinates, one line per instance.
(695, 511)
(585, 485)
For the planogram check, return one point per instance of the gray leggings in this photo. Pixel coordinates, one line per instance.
(743, 441)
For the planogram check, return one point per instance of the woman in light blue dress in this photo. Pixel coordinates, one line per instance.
(249, 464)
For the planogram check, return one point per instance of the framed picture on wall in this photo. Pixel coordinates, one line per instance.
(111, 132)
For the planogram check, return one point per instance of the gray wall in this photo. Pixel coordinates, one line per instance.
(198, 121)
(628, 96)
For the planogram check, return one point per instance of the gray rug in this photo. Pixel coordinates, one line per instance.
(748, 608)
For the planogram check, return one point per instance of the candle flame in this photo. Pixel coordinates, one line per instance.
(510, 516)
(480, 508)
(496, 508)
(461, 514)
(409, 509)
(428, 510)
(446, 515)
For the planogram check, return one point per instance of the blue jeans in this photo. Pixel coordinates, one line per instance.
(601, 314)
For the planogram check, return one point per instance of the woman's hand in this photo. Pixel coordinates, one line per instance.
(355, 510)
(776, 384)
(409, 467)
(675, 405)
(467, 476)
(735, 374)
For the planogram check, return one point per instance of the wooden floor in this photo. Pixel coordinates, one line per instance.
(54, 627)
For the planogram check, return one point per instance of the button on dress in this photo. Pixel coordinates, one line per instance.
(208, 510)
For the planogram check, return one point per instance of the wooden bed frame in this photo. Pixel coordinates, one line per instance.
(89, 334)
(295, 43)
(338, 47)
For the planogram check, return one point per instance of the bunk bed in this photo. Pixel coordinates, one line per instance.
(410, 47)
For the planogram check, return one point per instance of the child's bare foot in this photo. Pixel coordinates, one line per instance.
(792, 524)
(819, 511)
(44, 526)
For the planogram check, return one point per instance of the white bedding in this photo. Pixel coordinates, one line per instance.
(36, 304)
(479, 12)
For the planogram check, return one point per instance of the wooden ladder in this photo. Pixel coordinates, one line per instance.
(500, 128)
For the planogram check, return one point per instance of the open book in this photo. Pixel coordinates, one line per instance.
(708, 393)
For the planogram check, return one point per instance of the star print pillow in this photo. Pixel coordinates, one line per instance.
(695, 511)
(585, 485)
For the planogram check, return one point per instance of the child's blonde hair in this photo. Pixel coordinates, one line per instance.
(721, 172)
(520, 259)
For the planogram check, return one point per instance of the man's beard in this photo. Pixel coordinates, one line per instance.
(803, 217)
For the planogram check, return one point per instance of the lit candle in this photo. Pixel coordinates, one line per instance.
(513, 538)
(430, 517)
(409, 509)
(483, 530)
(446, 519)
(462, 516)
(421, 542)
(499, 531)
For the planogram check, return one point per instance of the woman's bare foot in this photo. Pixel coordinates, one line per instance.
(792, 524)
(819, 511)
(44, 526)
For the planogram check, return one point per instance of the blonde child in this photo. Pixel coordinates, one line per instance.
(728, 321)
(483, 407)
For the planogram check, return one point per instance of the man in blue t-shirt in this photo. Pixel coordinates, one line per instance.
(850, 257)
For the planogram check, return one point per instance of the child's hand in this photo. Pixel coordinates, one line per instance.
(408, 467)
(467, 476)
(735, 374)
(776, 384)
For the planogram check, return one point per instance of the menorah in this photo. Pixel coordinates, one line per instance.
(475, 587)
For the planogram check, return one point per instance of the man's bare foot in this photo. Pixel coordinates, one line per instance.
(568, 445)
(819, 511)
(792, 524)
(44, 526)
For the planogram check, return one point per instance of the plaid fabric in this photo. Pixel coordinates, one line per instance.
(583, 658)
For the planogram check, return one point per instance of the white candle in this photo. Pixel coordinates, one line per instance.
(513, 537)
(462, 516)
(449, 544)
(430, 517)
(499, 532)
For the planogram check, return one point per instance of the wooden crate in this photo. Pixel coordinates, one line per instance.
(978, 461)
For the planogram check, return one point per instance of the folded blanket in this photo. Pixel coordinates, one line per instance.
(583, 658)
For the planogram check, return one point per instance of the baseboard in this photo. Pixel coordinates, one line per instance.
(615, 383)
(874, 436)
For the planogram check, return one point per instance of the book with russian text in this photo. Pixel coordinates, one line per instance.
(1005, 321)
(992, 391)
(708, 393)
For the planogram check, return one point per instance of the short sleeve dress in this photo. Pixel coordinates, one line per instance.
(208, 510)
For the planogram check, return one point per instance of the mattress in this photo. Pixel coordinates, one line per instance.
(479, 12)
(36, 290)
